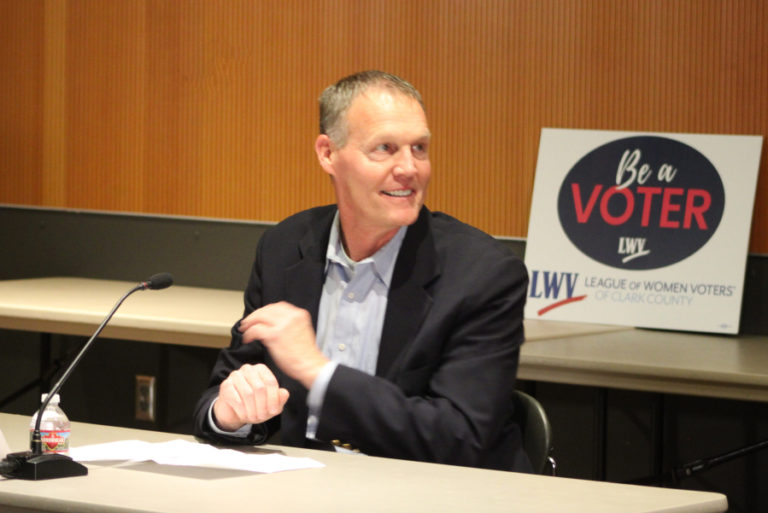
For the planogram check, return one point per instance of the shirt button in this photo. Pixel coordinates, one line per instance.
(342, 347)
(351, 295)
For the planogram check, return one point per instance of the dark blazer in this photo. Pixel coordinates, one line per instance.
(448, 355)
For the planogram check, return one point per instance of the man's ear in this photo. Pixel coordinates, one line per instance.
(324, 151)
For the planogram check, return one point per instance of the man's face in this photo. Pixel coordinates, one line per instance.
(381, 173)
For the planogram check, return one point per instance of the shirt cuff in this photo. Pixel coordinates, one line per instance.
(316, 397)
(243, 432)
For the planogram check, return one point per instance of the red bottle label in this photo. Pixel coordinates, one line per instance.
(55, 441)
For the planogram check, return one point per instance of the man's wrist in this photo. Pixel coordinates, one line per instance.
(313, 370)
(243, 431)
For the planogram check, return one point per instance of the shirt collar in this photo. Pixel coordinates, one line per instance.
(383, 260)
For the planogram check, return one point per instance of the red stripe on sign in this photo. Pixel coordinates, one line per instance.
(560, 303)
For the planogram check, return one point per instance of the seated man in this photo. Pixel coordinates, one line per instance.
(375, 324)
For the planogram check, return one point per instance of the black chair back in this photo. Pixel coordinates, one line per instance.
(536, 431)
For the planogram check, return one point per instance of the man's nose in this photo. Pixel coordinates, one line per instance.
(405, 164)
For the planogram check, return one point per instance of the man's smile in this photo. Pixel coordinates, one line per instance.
(402, 193)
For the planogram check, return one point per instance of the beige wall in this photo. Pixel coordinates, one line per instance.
(208, 108)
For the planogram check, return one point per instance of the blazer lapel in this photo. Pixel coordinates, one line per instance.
(409, 299)
(304, 278)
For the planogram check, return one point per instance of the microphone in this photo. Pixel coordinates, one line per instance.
(34, 464)
(158, 281)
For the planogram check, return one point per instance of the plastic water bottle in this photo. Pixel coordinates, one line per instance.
(54, 428)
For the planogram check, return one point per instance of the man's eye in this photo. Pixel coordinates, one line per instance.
(383, 147)
(419, 149)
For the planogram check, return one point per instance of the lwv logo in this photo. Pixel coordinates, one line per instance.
(554, 285)
(633, 247)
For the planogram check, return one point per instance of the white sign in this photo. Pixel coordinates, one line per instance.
(641, 229)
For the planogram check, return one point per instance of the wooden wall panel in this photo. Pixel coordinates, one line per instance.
(21, 102)
(190, 107)
(106, 97)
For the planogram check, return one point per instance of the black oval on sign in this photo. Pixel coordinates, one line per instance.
(641, 203)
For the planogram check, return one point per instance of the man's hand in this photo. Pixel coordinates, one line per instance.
(249, 395)
(286, 331)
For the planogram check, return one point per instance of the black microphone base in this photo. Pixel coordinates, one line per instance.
(42, 466)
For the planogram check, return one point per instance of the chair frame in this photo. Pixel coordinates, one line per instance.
(536, 431)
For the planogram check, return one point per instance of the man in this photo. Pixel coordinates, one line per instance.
(375, 324)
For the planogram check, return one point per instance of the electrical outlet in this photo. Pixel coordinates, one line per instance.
(145, 398)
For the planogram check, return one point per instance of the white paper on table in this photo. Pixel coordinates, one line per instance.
(181, 452)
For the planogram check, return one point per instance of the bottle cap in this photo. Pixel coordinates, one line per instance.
(54, 400)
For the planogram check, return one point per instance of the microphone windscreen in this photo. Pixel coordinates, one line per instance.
(159, 281)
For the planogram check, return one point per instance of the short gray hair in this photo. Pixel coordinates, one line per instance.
(336, 99)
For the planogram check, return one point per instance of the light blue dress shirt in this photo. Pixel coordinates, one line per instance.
(351, 315)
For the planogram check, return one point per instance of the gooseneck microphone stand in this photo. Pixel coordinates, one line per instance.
(35, 464)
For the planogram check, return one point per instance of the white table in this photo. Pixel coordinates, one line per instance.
(348, 483)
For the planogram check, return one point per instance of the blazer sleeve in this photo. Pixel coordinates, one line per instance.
(232, 358)
(449, 399)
